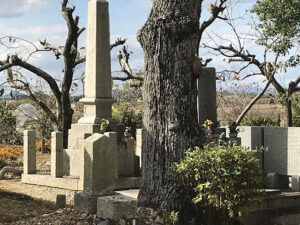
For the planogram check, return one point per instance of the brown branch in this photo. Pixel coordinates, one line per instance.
(125, 67)
(9, 169)
(118, 42)
(254, 100)
(215, 10)
(16, 61)
(25, 87)
(70, 48)
(58, 51)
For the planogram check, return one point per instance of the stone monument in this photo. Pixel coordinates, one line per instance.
(207, 95)
(98, 86)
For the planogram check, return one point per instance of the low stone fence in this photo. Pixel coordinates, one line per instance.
(283, 155)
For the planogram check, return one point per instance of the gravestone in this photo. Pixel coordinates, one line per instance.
(98, 87)
(207, 95)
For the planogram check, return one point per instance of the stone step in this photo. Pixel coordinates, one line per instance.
(121, 205)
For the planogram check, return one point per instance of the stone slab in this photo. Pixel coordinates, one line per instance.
(72, 161)
(126, 158)
(85, 203)
(127, 183)
(132, 193)
(277, 181)
(116, 206)
(293, 151)
(47, 180)
(295, 183)
(276, 158)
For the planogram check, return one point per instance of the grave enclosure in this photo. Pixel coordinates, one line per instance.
(99, 164)
(94, 164)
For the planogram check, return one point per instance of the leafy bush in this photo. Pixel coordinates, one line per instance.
(222, 180)
(8, 133)
(260, 121)
(128, 116)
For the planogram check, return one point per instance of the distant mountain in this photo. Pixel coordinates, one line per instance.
(16, 96)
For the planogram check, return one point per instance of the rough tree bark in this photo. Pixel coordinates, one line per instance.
(170, 42)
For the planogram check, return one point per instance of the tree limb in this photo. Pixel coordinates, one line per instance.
(254, 100)
(9, 169)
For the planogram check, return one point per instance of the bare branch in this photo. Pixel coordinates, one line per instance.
(21, 85)
(215, 11)
(118, 42)
(58, 51)
(254, 100)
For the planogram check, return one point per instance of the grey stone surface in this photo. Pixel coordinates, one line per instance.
(85, 203)
(72, 162)
(138, 148)
(277, 181)
(116, 206)
(99, 170)
(29, 166)
(25, 113)
(207, 95)
(60, 201)
(276, 158)
(56, 154)
(98, 98)
(296, 183)
(46, 180)
(127, 183)
(126, 158)
(293, 151)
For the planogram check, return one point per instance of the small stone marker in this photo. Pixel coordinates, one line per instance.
(56, 154)
(29, 152)
(60, 201)
(295, 183)
(116, 206)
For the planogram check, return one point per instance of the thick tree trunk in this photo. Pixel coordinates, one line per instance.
(65, 118)
(170, 42)
(289, 113)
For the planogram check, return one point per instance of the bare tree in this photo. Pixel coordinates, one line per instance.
(247, 64)
(62, 117)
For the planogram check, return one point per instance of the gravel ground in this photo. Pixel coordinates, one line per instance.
(34, 205)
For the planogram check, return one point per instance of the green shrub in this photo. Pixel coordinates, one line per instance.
(8, 133)
(222, 180)
(260, 121)
(124, 113)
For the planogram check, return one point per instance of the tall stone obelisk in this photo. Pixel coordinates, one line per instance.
(98, 83)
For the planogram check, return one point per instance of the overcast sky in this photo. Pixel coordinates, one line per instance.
(36, 20)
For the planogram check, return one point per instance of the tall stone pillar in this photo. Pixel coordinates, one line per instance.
(98, 87)
(98, 84)
(29, 152)
(56, 154)
(207, 95)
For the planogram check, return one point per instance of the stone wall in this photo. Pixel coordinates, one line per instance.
(283, 155)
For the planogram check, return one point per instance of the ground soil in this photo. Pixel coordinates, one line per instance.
(35, 205)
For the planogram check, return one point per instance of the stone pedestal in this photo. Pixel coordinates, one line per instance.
(99, 170)
(29, 152)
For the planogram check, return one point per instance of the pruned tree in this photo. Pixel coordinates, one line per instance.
(170, 39)
(17, 69)
(269, 63)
